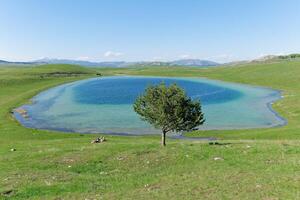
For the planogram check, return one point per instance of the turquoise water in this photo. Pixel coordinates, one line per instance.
(105, 105)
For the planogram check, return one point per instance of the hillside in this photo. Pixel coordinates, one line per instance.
(278, 58)
(256, 164)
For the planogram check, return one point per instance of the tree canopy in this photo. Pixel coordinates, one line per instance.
(169, 108)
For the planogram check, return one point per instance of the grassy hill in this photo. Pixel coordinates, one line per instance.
(249, 164)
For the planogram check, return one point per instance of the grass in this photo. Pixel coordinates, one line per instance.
(249, 164)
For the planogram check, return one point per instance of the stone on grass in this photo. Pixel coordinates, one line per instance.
(218, 158)
(120, 158)
(7, 193)
(98, 140)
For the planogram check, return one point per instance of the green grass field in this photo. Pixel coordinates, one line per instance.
(252, 164)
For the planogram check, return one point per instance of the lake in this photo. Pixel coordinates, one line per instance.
(104, 105)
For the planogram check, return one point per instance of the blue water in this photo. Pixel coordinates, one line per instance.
(125, 90)
(105, 105)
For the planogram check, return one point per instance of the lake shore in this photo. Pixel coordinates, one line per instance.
(267, 96)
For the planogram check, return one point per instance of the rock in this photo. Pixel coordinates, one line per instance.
(120, 158)
(218, 158)
(98, 140)
(7, 193)
(214, 143)
(48, 183)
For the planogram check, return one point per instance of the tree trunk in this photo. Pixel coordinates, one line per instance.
(163, 138)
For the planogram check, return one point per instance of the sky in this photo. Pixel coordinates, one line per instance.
(136, 30)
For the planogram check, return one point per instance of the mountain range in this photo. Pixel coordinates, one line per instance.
(184, 62)
(4, 62)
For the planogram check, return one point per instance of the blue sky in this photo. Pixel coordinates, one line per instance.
(131, 30)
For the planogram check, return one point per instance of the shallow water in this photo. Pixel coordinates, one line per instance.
(105, 105)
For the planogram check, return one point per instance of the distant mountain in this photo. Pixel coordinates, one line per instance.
(290, 56)
(185, 62)
(146, 63)
(266, 59)
(194, 62)
(79, 62)
(3, 62)
(272, 58)
(64, 61)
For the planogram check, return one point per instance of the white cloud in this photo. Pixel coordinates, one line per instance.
(112, 54)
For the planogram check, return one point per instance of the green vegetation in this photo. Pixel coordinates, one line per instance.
(168, 108)
(291, 56)
(244, 164)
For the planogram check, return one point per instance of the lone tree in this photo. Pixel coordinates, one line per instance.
(169, 108)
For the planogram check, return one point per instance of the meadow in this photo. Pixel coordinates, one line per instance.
(243, 164)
